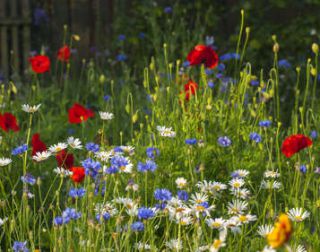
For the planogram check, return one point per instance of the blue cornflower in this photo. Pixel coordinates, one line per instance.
(255, 137)
(120, 162)
(148, 166)
(161, 206)
(219, 75)
(137, 226)
(145, 213)
(28, 179)
(118, 149)
(121, 57)
(162, 194)
(92, 147)
(104, 216)
(91, 167)
(283, 63)
(265, 123)
(20, 246)
(112, 169)
(229, 56)
(39, 16)
(224, 141)
(209, 40)
(186, 64)
(313, 134)
(183, 195)
(106, 98)
(303, 169)
(58, 221)
(77, 193)
(208, 71)
(70, 214)
(221, 67)
(142, 35)
(191, 141)
(152, 152)
(254, 83)
(122, 37)
(210, 84)
(167, 10)
(19, 150)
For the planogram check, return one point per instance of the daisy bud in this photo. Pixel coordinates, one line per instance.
(315, 48)
(102, 79)
(135, 118)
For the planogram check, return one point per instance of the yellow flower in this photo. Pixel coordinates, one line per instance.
(281, 232)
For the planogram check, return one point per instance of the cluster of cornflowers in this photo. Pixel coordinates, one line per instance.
(67, 215)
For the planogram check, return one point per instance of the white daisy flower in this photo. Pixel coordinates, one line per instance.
(185, 221)
(217, 223)
(198, 198)
(5, 161)
(299, 248)
(174, 244)
(264, 230)
(219, 243)
(241, 173)
(57, 147)
(74, 143)
(2, 221)
(106, 116)
(271, 174)
(181, 182)
(166, 132)
(102, 208)
(241, 193)
(298, 215)
(41, 156)
(103, 156)
(30, 109)
(140, 246)
(246, 218)
(268, 249)
(62, 172)
(128, 150)
(237, 207)
(236, 183)
(270, 184)
(233, 224)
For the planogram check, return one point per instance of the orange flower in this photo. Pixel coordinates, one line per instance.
(281, 232)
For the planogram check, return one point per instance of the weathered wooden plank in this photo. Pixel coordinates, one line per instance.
(14, 21)
(25, 5)
(3, 41)
(14, 58)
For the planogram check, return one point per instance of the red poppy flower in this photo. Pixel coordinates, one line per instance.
(190, 89)
(202, 54)
(40, 63)
(78, 174)
(8, 121)
(78, 114)
(64, 53)
(37, 144)
(294, 143)
(65, 159)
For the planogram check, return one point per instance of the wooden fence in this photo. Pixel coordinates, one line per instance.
(91, 19)
(14, 35)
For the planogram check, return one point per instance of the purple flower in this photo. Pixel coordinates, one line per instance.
(191, 141)
(265, 123)
(152, 152)
(92, 147)
(162, 194)
(255, 137)
(28, 179)
(224, 141)
(145, 213)
(20, 246)
(137, 226)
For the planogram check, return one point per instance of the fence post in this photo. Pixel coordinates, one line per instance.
(3, 39)
(26, 32)
(14, 52)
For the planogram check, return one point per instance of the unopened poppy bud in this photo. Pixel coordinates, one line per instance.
(102, 78)
(76, 37)
(247, 30)
(135, 117)
(276, 47)
(315, 48)
(313, 71)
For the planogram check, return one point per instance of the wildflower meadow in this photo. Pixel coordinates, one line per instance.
(170, 144)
